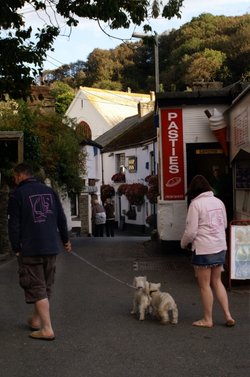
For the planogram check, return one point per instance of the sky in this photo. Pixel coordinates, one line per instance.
(88, 35)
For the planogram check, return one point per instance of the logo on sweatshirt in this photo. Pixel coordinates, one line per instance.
(41, 207)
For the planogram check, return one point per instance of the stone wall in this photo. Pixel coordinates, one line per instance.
(85, 214)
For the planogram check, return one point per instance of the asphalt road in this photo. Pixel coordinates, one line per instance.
(96, 336)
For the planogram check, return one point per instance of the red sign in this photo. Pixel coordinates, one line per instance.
(172, 154)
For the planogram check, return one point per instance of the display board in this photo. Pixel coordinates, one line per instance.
(240, 250)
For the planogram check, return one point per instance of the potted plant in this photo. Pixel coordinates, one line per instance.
(122, 189)
(135, 193)
(153, 188)
(118, 177)
(107, 191)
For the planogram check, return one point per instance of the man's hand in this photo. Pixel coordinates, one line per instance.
(67, 246)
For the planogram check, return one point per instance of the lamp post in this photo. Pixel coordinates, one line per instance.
(156, 53)
(157, 89)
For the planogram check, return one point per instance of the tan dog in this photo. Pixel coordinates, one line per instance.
(162, 303)
(141, 299)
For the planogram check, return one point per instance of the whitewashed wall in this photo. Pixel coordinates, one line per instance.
(171, 215)
(81, 109)
(110, 168)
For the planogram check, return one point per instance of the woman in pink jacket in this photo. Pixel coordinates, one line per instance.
(205, 231)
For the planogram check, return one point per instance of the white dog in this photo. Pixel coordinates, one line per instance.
(141, 300)
(162, 303)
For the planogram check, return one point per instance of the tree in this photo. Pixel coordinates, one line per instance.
(49, 144)
(63, 94)
(209, 47)
(204, 66)
(23, 50)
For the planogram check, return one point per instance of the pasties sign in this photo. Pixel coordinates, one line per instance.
(172, 154)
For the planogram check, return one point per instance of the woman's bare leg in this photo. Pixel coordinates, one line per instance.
(203, 277)
(220, 292)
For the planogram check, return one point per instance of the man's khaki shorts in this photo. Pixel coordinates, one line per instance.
(36, 276)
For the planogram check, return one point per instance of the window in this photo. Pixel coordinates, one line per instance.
(74, 204)
(120, 162)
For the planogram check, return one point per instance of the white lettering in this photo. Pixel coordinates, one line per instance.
(173, 134)
(173, 139)
(173, 160)
(172, 125)
(172, 116)
(173, 169)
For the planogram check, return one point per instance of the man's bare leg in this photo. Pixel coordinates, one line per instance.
(42, 310)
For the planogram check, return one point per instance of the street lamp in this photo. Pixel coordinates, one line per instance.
(156, 53)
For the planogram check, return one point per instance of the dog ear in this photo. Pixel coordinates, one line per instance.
(159, 285)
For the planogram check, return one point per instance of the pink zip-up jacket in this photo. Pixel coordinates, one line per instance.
(205, 225)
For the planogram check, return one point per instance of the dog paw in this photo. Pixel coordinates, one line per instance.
(164, 322)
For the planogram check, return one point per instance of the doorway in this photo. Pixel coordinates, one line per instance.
(209, 160)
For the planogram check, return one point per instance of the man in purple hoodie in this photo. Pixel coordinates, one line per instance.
(37, 230)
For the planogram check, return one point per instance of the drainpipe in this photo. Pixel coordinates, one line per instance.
(102, 169)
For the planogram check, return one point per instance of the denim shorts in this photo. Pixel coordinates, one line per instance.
(36, 276)
(208, 260)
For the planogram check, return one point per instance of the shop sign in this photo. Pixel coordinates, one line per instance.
(172, 154)
(132, 164)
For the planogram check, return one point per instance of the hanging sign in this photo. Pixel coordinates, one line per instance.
(172, 154)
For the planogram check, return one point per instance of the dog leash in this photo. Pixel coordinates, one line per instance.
(100, 270)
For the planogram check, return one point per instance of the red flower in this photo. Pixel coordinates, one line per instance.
(153, 188)
(135, 193)
(118, 177)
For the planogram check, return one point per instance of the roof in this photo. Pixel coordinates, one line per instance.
(117, 130)
(218, 96)
(136, 131)
(114, 106)
(87, 141)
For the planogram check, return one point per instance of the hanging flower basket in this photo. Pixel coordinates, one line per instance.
(135, 193)
(122, 189)
(153, 188)
(107, 191)
(118, 178)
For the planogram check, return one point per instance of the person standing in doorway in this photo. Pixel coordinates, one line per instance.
(37, 229)
(110, 217)
(205, 230)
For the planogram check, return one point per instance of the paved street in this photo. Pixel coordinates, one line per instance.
(96, 336)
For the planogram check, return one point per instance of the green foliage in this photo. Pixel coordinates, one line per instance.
(23, 50)
(215, 47)
(63, 94)
(49, 144)
(208, 48)
(204, 66)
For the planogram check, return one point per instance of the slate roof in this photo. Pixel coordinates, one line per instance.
(133, 131)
